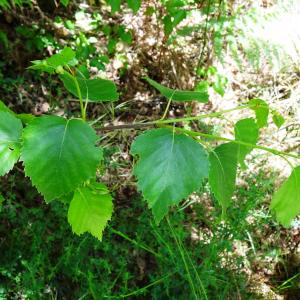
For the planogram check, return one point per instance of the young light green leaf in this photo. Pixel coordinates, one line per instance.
(94, 90)
(261, 109)
(178, 95)
(134, 5)
(286, 201)
(202, 86)
(170, 167)
(277, 118)
(63, 58)
(90, 209)
(59, 154)
(246, 131)
(41, 65)
(219, 84)
(10, 133)
(54, 62)
(222, 173)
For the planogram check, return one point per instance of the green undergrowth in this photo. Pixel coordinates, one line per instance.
(42, 259)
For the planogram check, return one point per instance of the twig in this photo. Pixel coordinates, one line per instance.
(125, 126)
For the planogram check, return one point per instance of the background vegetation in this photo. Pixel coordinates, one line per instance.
(238, 50)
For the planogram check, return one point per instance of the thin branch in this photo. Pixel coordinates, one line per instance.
(220, 138)
(172, 121)
(165, 123)
(125, 126)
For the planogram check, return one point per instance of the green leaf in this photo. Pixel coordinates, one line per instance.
(219, 84)
(125, 35)
(83, 72)
(25, 118)
(134, 5)
(202, 86)
(63, 58)
(173, 5)
(10, 133)
(286, 201)
(67, 198)
(261, 109)
(177, 95)
(98, 64)
(278, 119)
(177, 17)
(5, 108)
(170, 167)
(90, 209)
(59, 154)
(222, 173)
(246, 131)
(94, 90)
(55, 62)
(111, 45)
(41, 65)
(4, 4)
(115, 5)
(168, 25)
(172, 20)
(64, 2)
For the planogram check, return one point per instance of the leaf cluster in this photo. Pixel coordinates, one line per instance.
(61, 156)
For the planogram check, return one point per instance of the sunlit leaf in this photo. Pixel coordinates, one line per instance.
(10, 133)
(277, 118)
(261, 109)
(222, 172)
(90, 209)
(54, 62)
(59, 154)
(286, 200)
(25, 118)
(247, 131)
(170, 167)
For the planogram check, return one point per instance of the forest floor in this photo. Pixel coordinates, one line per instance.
(248, 257)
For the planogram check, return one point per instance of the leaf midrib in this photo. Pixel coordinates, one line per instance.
(165, 176)
(63, 140)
